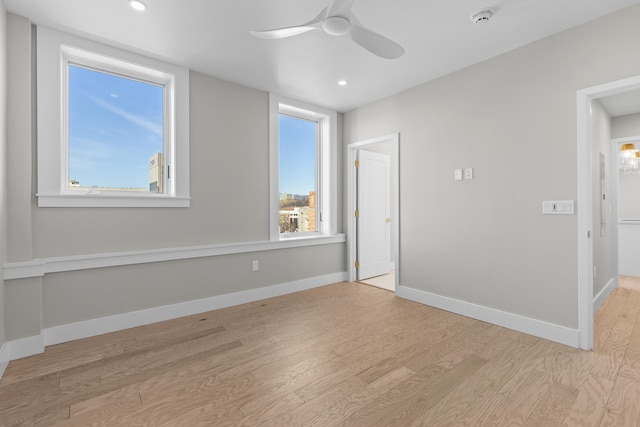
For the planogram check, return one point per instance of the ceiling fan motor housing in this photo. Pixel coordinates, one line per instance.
(336, 25)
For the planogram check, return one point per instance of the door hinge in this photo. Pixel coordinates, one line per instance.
(357, 264)
(388, 220)
(357, 163)
(357, 214)
(168, 171)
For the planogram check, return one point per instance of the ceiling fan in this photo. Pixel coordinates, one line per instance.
(338, 20)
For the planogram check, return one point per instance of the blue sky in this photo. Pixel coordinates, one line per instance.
(297, 155)
(115, 126)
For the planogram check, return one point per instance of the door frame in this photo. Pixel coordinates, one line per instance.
(350, 173)
(585, 198)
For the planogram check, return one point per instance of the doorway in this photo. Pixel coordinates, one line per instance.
(585, 200)
(374, 244)
(627, 213)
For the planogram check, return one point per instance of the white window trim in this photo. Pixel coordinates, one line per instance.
(328, 183)
(55, 51)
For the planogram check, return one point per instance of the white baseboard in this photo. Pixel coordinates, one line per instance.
(602, 296)
(25, 347)
(4, 358)
(538, 328)
(58, 334)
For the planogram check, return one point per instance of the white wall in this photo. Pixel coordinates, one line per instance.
(229, 208)
(513, 119)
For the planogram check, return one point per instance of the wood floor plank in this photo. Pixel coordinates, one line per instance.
(479, 412)
(479, 389)
(622, 408)
(320, 403)
(343, 410)
(554, 406)
(610, 358)
(407, 401)
(516, 409)
(589, 406)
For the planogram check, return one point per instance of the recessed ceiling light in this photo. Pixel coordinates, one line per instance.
(342, 82)
(137, 5)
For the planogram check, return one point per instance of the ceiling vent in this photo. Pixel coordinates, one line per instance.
(482, 16)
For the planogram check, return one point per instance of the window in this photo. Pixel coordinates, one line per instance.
(303, 178)
(298, 174)
(115, 133)
(112, 126)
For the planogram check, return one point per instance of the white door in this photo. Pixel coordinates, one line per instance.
(374, 214)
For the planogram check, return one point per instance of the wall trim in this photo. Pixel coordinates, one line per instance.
(73, 331)
(538, 328)
(24, 347)
(602, 296)
(38, 267)
(4, 358)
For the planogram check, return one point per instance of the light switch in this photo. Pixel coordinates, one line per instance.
(568, 206)
(558, 207)
(457, 174)
(468, 173)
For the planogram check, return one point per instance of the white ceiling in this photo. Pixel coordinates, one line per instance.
(212, 37)
(622, 104)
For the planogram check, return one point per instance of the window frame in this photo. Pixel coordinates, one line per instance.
(56, 51)
(326, 169)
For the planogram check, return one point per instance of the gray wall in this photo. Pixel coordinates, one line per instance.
(513, 119)
(603, 223)
(3, 162)
(229, 186)
(229, 170)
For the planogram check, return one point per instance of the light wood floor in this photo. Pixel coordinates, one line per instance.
(345, 354)
(386, 281)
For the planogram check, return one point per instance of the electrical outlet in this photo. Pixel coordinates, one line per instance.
(255, 265)
(468, 173)
(457, 174)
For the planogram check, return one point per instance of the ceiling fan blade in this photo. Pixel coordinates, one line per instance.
(374, 42)
(280, 33)
(340, 8)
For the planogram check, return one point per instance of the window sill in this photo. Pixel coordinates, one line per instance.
(302, 236)
(111, 201)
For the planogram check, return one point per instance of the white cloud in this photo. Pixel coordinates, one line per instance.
(135, 119)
